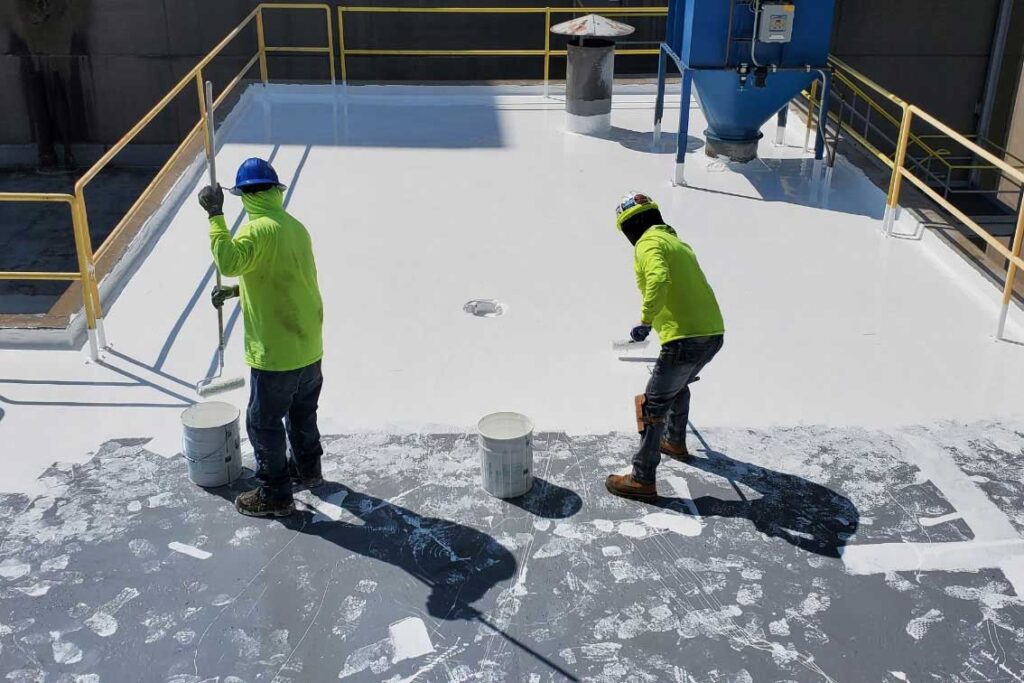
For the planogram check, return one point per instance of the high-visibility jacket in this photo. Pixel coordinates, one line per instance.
(677, 299)
(272, 255)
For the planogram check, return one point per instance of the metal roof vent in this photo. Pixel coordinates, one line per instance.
(590, 72)
(593, 25)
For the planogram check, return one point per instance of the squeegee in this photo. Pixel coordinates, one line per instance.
(216, 383)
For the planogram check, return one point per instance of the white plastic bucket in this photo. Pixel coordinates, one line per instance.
(506, 454)
(211, 444)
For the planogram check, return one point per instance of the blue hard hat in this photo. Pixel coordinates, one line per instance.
(255, 171)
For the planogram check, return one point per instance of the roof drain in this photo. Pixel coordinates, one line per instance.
(485, 308)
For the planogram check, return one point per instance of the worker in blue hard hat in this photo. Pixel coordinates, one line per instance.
(272, 257)
(680, 305)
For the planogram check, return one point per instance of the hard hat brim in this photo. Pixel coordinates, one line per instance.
(237, 189)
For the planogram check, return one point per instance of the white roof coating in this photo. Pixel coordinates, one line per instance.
(419, 199)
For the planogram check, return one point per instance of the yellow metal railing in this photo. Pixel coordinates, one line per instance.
(547, 53)
(85, 272)
(861, 86)
(87, 257)
(1012, 253)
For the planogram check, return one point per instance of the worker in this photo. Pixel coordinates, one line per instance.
(680, 305)
(272, 255)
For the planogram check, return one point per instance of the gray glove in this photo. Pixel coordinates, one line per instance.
(221, 294)
(212, 199)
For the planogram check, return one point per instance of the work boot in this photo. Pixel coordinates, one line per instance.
(255, 503)
(626, 486)
(304, 479)
(676, 451)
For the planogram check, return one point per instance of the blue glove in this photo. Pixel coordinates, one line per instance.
(640, 332)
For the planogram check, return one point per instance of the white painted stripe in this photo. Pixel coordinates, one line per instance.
(986, 520)
(935, 521)
(189, 550)
(960, 556)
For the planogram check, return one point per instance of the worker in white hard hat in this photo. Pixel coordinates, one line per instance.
(679, 304)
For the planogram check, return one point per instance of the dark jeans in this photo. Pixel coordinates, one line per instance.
(284, 404)
(667, 410)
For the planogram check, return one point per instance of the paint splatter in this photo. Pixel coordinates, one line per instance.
(779, 628)
(64, 652)
(244, 535)
(189, 550)
(140, 547)
(918, 628)
(36, 590)
(161, 500)
(55, 564)
(684, 526)
(102, 622)
(749, 594)
(632, 530)
(185, 636)
(409, 639)
(11, 569)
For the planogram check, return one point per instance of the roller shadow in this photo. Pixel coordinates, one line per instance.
(548, 500)
(181, 401)
(808, 515)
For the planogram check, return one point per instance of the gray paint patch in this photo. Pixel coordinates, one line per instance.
(401, 566)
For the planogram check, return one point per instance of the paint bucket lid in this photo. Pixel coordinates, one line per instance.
(209, 414)
(504, 426)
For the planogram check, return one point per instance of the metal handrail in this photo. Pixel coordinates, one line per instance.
(85, 254)
(547, 53)
(860, 86)
(1011, 254)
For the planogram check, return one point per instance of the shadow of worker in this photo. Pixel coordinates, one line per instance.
(808, 515)
(458, 564)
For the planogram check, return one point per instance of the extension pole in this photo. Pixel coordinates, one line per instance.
(211, 162)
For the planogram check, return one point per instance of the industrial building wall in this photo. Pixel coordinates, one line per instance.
(85, 70)
(933, 53)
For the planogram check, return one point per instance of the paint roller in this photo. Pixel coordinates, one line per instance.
(216, 383)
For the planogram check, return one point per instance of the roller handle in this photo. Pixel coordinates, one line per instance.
(211, 154)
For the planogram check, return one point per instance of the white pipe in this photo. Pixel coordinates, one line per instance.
(94, 350)
(680, 177)
(754, 36)
(889, 220)
(1001, 327)
(101, 333)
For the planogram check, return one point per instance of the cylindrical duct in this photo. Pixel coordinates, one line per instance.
(588, 85)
